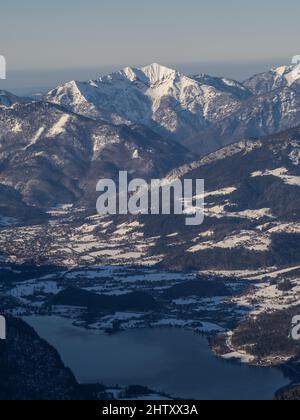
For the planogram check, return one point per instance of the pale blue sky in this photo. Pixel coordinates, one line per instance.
(90, 34)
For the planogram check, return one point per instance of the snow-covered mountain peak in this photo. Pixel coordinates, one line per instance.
(289, 74)
(276, 78)
(124, 77)
(71, 86)
(71, 92)
(149, 75)
(281, 71)
(166, 101)
(184, 108)
(294, 75)
(130, 73)
(157, 73)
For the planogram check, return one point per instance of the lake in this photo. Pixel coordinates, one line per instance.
(175, 361)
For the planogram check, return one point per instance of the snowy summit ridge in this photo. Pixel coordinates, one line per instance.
(161, 98)
(152, 74)
(201, 112)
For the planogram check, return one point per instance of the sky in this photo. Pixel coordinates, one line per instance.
(45, 41)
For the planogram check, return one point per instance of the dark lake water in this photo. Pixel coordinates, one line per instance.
(175, 361)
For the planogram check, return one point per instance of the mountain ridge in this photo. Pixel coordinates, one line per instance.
(54, 156)
(188, 109)
(163, 99)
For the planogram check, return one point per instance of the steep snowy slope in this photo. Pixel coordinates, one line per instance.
(158, 97)
(202, 112)
(252, 219)
(252, 208)
(52, 156)
(281, 77)
(225, 85)
(258, 116)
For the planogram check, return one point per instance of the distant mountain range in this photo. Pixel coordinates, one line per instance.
(200, 111)
(168, 102)
(243, 139)
(278, 78)
(53, 156)
(8, 99)
(147, 121)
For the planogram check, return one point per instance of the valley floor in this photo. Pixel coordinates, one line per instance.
(247, 319)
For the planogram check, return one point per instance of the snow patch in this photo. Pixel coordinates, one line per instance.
(252, 241)
(36, 137)
(136, 154)
(222, 192)
(17, 128)
(281, 173)
(59, 127)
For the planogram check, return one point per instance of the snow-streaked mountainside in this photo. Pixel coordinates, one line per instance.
(51, 156)
(202, 112)
(257, 116)
(252, 219)
(223, 84)
(172, 104)
(252, 209)
(281, 77)
(237, 273)
(53, 151)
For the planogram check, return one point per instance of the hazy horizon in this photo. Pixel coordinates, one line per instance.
(48, 43)
(28, 82)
